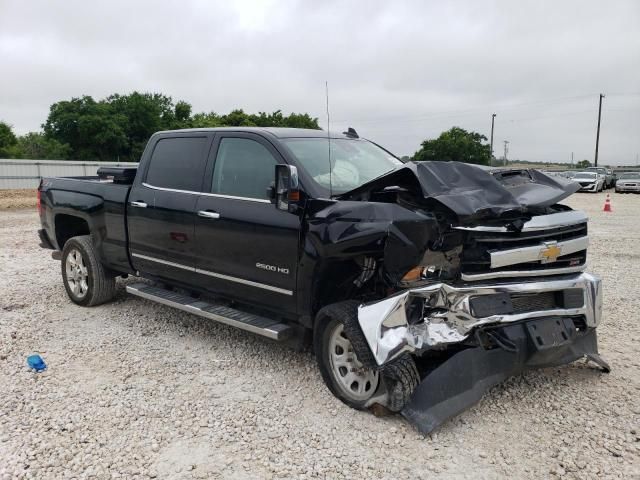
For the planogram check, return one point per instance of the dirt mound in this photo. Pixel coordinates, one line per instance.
(23, 198)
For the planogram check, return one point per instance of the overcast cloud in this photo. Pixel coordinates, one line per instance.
(399, 72)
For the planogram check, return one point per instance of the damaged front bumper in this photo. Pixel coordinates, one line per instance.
(494, 331)
(448, 314)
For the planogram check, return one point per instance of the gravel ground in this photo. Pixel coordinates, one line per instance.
(138, 390)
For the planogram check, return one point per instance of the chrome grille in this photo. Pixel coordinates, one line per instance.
(480, 244)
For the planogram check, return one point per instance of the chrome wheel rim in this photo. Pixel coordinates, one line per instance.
(77, 274)
(355, 380)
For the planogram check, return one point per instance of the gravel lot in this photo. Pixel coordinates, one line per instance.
(138, 390)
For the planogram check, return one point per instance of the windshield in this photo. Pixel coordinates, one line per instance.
(601, 170)
(627, 176)
(353, 162)
(587, 175)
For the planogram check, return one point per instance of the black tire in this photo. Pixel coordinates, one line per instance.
(100, 283)
(401, 378)
(398, 377)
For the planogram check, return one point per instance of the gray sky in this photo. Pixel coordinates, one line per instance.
(399, 72)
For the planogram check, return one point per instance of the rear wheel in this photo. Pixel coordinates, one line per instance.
(349, 368)
(85, 279)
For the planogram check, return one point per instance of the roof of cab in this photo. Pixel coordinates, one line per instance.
(278, 132)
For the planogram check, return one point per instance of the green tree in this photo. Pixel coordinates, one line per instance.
(182, 114)
(119, 126)
(582, 164)
(144, 114)
(206, 120)
(239, 118)
(92, 129)
(8, 140)
(36, 145)
(458, 145)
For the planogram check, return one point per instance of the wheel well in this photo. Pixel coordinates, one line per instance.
(344, 283)
(68, 226)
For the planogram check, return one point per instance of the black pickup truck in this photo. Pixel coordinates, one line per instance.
(418, 285)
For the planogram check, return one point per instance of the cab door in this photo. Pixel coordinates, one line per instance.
(161, 208)
(246, 247)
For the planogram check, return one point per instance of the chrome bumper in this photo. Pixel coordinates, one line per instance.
(449, 318)
(627, 188)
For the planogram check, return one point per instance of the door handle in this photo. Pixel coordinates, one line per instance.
(208, 214)
(138, 204)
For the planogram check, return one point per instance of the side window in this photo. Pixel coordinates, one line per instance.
(178, 163)
(243, 168)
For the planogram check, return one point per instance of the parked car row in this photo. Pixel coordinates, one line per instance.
(597, 179)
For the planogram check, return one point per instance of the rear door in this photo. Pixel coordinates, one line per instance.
(246, 247)
(161, 209)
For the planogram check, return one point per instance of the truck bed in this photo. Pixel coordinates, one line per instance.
(79, 205)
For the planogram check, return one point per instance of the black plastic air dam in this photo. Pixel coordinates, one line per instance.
(459, 382)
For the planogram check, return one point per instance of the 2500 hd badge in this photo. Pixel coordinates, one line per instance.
(272, 268)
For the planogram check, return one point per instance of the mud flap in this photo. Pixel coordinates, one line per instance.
(460, 381)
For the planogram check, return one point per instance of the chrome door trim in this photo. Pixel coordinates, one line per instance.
(216, 275)
(206, 194)
(244, 282)
(165, 262)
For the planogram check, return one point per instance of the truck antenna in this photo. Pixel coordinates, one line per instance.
(326, 87)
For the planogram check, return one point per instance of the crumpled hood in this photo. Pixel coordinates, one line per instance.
(474, 192)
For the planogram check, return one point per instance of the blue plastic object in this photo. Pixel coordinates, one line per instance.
(36, 362)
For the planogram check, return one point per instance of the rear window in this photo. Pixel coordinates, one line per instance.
(178, 163)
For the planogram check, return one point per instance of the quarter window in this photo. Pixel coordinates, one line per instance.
(178, 163)
(243, 168)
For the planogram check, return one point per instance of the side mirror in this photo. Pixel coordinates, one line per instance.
(287, 193)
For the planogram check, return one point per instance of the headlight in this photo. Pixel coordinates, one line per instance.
(421, 273)
(434, 265)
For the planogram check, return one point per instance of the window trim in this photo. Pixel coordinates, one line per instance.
(206, 194)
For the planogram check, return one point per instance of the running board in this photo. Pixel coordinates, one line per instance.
(220, 313)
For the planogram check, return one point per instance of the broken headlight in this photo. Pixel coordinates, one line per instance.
(434, 265)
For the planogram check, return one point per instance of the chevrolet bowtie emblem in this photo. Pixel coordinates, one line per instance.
(550, 252)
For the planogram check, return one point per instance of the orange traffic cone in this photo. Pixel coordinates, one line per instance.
(607, 204)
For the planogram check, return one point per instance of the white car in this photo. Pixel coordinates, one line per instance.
(589, 181)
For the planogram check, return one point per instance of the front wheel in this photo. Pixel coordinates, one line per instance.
(349, 368)
(85, 279)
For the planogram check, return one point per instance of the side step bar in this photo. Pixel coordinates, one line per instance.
(220, 313)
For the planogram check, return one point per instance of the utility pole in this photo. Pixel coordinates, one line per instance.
(493, 116)
(595, 163)
(506, 150)
(571, 159)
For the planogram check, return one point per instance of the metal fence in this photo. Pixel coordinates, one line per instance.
(27, 173)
